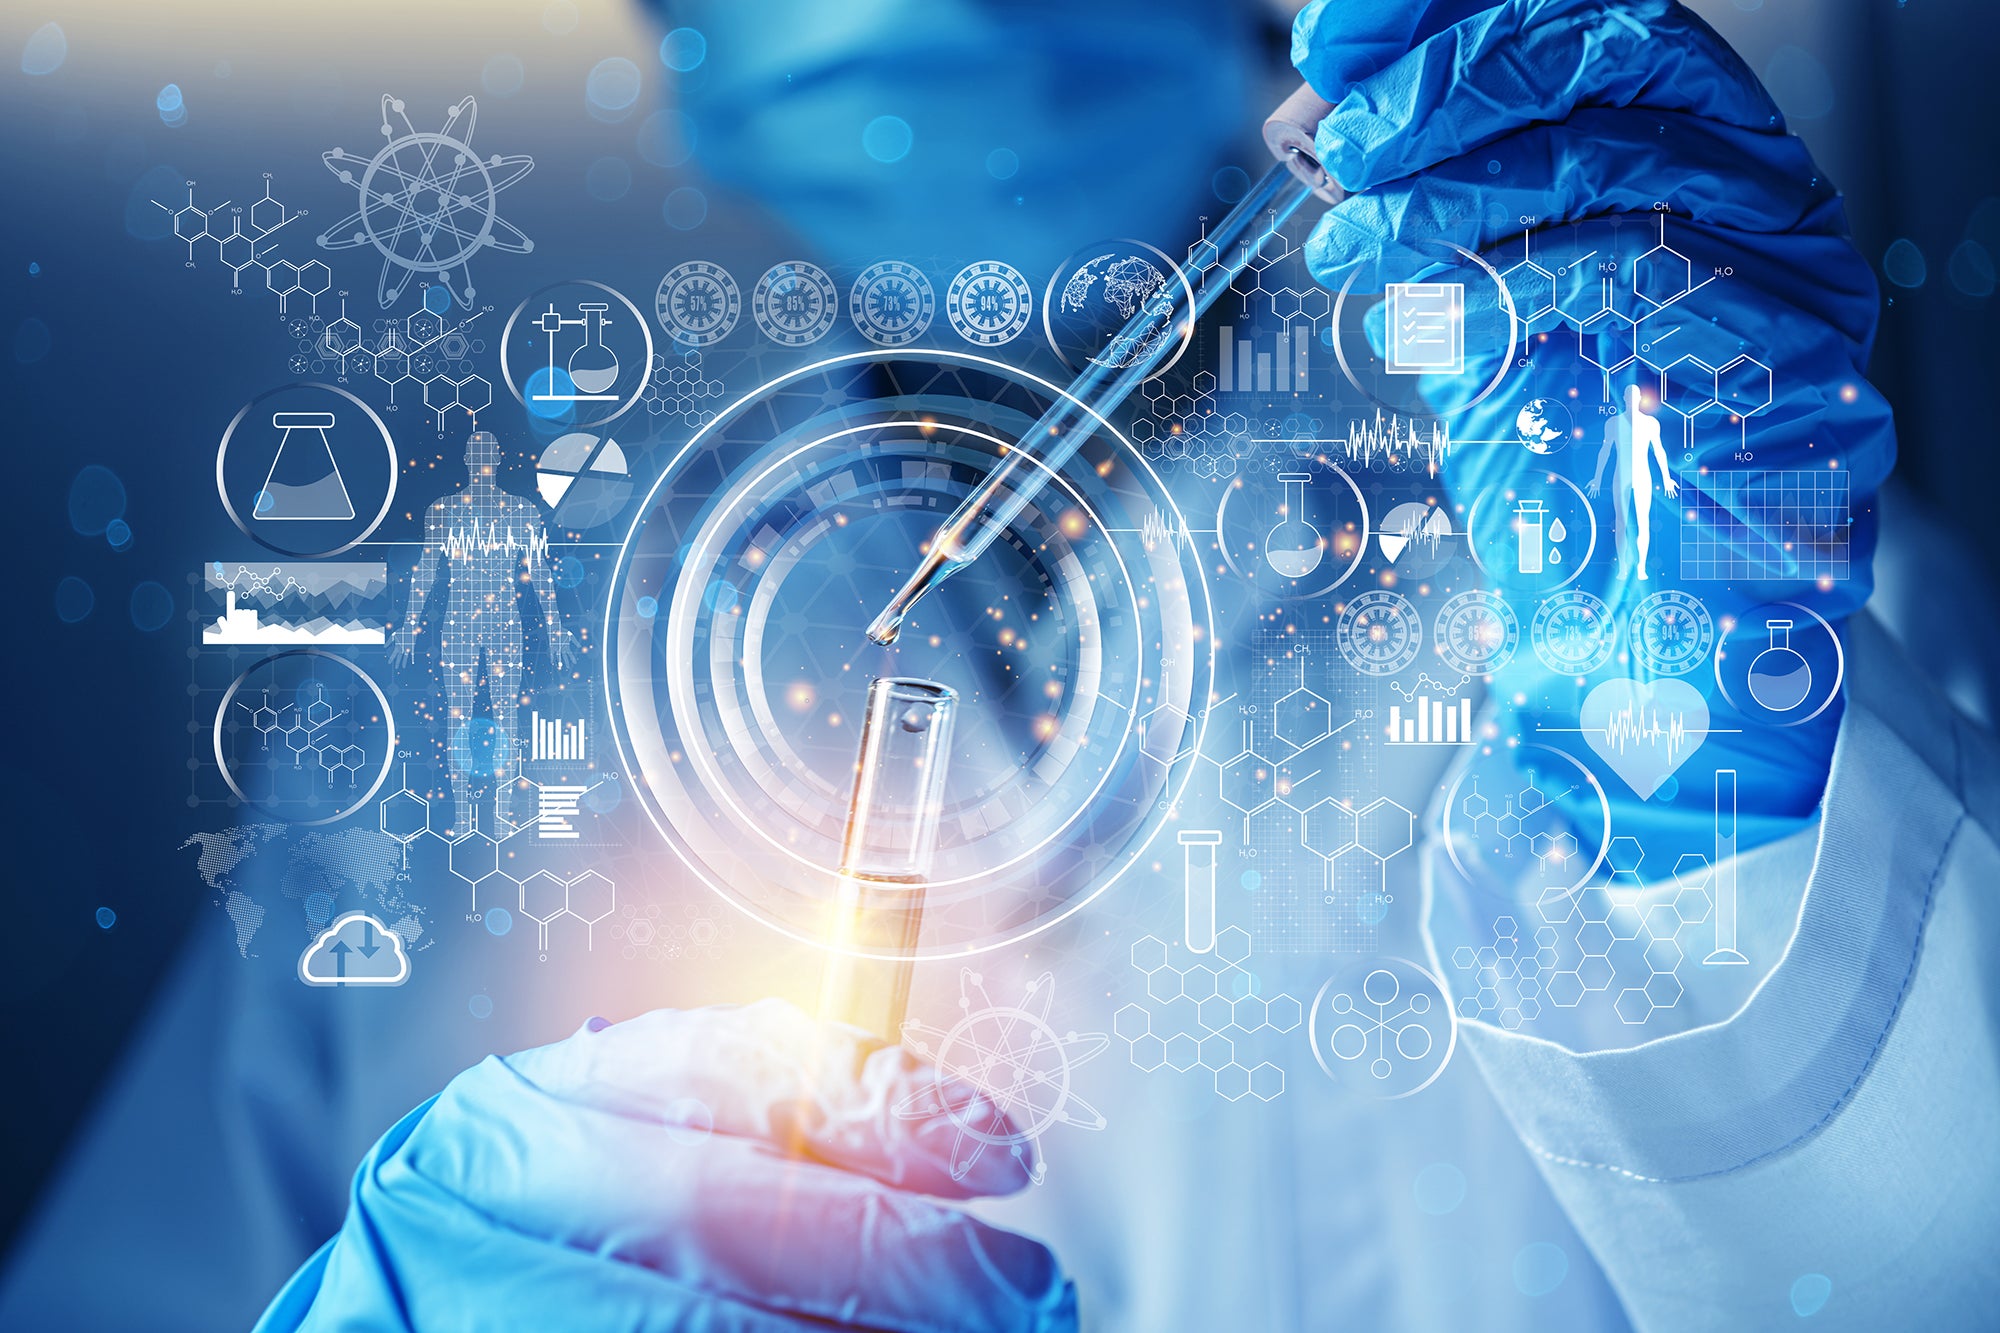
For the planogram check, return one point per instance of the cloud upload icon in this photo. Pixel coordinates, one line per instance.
(356, 950)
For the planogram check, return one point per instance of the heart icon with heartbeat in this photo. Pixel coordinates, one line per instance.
(1644, 730)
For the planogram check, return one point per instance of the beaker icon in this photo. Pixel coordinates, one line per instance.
(593, 367)
(1529, 516)
(1780, 678)
(1293, 546)
(304, 482)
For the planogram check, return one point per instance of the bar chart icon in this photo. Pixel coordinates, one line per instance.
(1428, 721)
(554, 739)
(1240, 367)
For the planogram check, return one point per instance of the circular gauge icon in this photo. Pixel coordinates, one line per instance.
(892, 303)
(1671, 632)
(739, 667)
(989, 303)
(1379, 633)
(1476, 633)
(1573, 633)
(698, 303)
(795, 303)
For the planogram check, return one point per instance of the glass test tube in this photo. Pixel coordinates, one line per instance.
(1725, 951)
(885, 857)
(1198, 857)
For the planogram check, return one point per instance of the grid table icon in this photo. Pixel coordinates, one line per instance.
(1767, 525)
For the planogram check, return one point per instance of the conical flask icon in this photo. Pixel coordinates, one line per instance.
(304, 482)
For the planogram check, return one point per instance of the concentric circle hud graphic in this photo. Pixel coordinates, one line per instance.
(1079, 646)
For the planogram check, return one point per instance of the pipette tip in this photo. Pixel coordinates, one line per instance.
(886, 626)
(933, 570)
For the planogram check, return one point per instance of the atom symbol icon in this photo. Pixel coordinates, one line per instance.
(1002, 1073)
(428, 202)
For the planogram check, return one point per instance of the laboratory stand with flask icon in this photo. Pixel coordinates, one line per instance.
(307, 470)
(577, 352)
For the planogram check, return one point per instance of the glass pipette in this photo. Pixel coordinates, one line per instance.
(1159, 328)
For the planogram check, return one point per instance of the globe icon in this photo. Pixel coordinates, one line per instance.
(1087, 313)
(1543, 426)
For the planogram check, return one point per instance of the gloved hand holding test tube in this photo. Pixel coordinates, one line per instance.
(885, 859)
(1045, 446)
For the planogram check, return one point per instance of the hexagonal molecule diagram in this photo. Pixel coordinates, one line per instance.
(1619, 939)
(1202, 1014)
(543, 895)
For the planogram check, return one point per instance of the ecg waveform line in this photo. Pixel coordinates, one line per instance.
(460, 542)
(1624, 726)
(1396, 438)
(1156, 529)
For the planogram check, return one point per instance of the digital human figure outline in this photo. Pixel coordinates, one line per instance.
(489, 541)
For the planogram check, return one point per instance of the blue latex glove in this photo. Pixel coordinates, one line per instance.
(720, 1169)
(1452, 123)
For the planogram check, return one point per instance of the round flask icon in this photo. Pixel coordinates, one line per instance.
(593, 367)
(1780, 678)
(1293, 546)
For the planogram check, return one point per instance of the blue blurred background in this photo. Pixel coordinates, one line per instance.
(119, 356)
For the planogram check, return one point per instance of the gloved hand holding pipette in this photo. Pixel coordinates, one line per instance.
(1630, 139)
(636, 1176)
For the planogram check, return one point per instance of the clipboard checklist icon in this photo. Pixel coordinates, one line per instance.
(1426, 328)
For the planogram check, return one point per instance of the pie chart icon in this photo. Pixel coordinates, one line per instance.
(584, 479)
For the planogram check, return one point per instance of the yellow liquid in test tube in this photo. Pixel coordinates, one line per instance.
(885, 860)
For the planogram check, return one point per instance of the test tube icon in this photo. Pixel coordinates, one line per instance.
(1530, 516)
(1198, 857)
(1725, 872)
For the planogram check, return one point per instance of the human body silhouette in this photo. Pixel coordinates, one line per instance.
(1634, 437)
(491, 542)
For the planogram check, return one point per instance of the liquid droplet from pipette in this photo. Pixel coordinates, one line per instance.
(1557, 532)
(915, 719)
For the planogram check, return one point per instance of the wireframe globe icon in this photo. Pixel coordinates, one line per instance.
(1095, 295)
